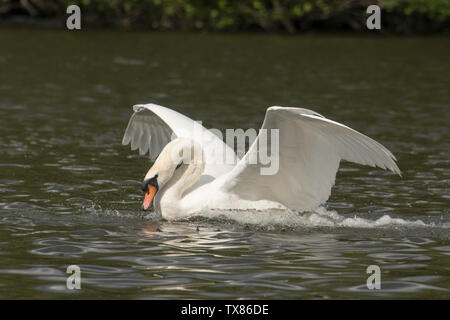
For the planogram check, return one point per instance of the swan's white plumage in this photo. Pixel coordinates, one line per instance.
(147, 131)
(152, 127)
(310, 150)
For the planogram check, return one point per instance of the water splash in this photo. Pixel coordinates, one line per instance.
(319, 218)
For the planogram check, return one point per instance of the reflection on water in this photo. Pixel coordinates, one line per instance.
(69, 192)
(198, 259)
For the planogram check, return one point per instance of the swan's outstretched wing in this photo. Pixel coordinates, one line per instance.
(151, 127)
(310, 149)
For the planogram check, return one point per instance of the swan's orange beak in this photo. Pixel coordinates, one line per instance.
(148, 197)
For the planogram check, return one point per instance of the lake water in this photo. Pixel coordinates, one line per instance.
(70, 193)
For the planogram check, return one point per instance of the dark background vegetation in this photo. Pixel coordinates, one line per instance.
(290, 16)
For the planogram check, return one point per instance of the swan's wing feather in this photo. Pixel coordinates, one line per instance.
(147, 132)
(152, 127)
(354, 146)
(310, 150)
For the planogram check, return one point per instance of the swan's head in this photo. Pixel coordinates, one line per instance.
(175, 153)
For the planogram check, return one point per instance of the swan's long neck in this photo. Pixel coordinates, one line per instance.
(169, 198)
(183, 178)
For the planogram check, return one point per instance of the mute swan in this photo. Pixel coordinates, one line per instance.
(310, 148)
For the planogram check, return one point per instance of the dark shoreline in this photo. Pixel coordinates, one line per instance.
(409, 17)
(26, 22)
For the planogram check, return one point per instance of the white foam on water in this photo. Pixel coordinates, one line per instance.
(319, 218)
(279, 218)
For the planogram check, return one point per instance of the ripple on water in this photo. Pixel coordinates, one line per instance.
(21, 206)
(57, 187)
(8, 182)
(77, 168)
(15, 165)
(77, 202)
(51, 246)
(399, 256)
(390, 287)
(34, 271)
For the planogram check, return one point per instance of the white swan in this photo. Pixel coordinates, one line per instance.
(310, 150)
